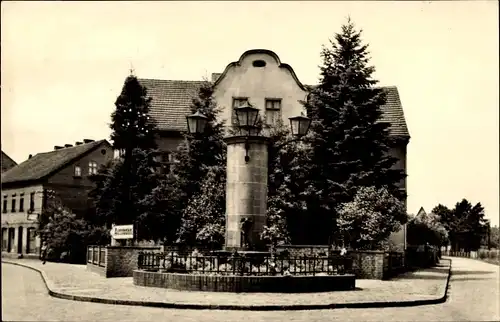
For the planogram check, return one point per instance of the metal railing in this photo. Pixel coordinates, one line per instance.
(96, 255)
(245, 265)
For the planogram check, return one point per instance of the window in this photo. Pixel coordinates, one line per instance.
(273, 111)
(237, 102)
(21, 202)
(78, 171)
(259, 63)
(92, 167)
(13, 208)
(4, 206)
(32, 201)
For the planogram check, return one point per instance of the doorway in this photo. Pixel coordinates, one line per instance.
(10, 246)
(20, 240)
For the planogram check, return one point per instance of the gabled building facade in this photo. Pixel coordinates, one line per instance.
(65, 172)
(260, 78)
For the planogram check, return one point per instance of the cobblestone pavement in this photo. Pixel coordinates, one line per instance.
(473, 294)
(77, 280)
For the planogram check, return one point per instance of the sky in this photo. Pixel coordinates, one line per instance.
(63, 65)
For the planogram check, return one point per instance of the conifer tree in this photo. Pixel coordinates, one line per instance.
(349, 143)
(131, 178)
(198, 152)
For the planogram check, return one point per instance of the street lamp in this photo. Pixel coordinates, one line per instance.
(299, 125)
(197, 123)
(247, 117)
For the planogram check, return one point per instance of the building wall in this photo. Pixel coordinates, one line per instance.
(72, 190)
(398, 238)
(259, 83)
(18, 218)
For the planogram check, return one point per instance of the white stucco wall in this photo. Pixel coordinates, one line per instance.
(274, 81)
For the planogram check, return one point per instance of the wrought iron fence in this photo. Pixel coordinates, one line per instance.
(96, 255)
(245, 265)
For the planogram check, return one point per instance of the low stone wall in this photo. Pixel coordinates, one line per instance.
(247, 284)
(366, 264)
(120, 261)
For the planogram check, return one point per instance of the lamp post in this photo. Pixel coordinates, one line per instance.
(246, 179)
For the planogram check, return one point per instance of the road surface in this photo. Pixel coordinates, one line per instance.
(474, 295)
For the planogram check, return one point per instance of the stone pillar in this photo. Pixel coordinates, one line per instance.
(246, 191)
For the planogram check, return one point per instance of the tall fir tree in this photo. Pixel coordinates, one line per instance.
(131, 178)
(198, 152)
(349, 143)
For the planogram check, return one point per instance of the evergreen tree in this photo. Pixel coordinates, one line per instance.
(131, 124)
(198, 152)
(122, 186)
(349, 143)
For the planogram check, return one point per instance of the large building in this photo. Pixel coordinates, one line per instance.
(64, 172)
(260, 78)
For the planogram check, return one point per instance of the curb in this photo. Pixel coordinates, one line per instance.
(294, 307)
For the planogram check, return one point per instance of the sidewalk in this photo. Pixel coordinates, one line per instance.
(74, 282)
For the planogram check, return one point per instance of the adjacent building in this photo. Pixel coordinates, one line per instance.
(7, 162)
(65, 172)
(260, 78)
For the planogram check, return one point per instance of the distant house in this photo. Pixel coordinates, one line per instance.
(64, 171)
(7, 162)
(421, 212)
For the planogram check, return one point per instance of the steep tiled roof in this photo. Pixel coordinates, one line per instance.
(171, 101)
(7, 162)
(172, 98)
(43, 164)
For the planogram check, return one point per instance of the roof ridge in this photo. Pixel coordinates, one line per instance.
(71, 147)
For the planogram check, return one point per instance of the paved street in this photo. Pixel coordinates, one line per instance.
(473, 297)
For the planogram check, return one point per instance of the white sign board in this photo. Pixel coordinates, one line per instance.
(32, 217)
(122, 232)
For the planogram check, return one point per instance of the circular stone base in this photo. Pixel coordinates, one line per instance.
(236, 284)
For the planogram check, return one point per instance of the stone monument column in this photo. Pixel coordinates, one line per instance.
(246, 191)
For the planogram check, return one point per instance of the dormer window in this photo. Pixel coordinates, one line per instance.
(78, 171)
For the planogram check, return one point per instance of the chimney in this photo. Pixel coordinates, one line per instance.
(30, 156)
(87, 141)
(68, 145)
(57, 147)
(78, 143)
(215, 77)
